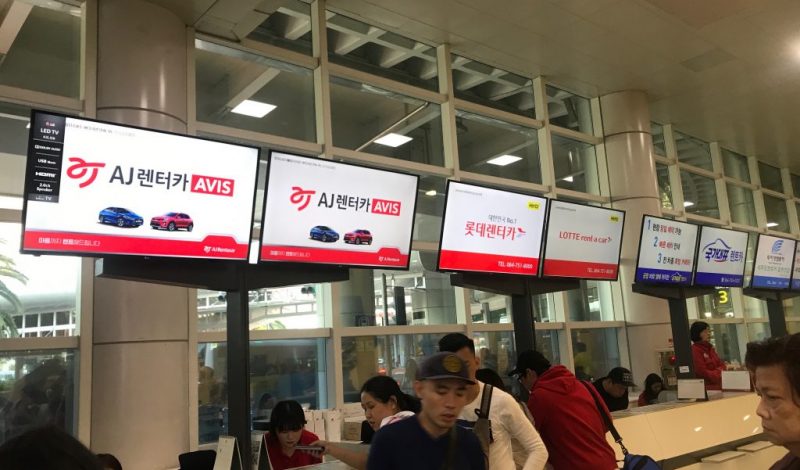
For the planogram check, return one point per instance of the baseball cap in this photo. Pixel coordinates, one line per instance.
(621, 375)
(530, 359)
(444, 365)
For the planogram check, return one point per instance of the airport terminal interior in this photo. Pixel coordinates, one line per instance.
(677, 109)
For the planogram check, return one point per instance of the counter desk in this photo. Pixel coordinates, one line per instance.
(721, 433)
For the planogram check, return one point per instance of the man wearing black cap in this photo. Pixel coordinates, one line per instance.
(565, 415)
(614, 388)
(431, 440)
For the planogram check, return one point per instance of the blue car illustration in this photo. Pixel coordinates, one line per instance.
(324, 234)
(120, 217)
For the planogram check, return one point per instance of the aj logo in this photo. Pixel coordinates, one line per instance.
(80, 169)
(301, 196)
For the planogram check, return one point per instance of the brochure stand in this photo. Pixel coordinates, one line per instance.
(236, 279)
(774, 298)
(521, 289)
(679, 319)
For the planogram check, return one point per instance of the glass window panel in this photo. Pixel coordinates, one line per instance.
(379, 52)
(430, 208)
(45, 55)
(568, 110)
(34, 285)
(791, 307)
(770, 177)
(793, 327)
(362, 114)
(481, 140)
(575, 165)
(758, 331)
(664, 186)
(755, 308)
(777, 215)
(289, 26)
(397, 356)
(725, 338)
(282, 308)
(659, 144)
(427, 295)
(693, 151)
(226, 77)
(592, 302)
(487, 85)
(595, 352)
(742, 207)
(486, 307)
(13, 142)
(748, 260)
(289, 369)
(796, 185)
(735, 165)
(719, 305)
(699, 195)
(38, 388)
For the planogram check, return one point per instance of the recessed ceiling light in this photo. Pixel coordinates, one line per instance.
(772, 224)
(254, 109)
(688, 203)
(504, 160)
(393, 140)
(432, 192)
(567, 179)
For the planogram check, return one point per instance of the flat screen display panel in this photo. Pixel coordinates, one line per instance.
(321, 211)
(491, 230)
(720, 257)
(666, 252)
(98, 188)
(796, 270)
(582, 241)
(772, 268)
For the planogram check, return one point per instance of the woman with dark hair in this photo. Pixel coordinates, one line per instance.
(285, 434)
(383, 403)
(707, 364)
(653, 385)
(49, 448)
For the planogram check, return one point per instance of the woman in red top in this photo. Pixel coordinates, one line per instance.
(707, 364)
(285, 434)
(653, 385)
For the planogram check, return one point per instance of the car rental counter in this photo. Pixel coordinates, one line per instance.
(721, 433)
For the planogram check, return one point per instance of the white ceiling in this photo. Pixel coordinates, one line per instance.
(725, 70)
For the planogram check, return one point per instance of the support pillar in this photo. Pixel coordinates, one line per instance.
(634, 189)
(141, 349)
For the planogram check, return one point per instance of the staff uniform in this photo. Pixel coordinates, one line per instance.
(299, 458)
(707, 365)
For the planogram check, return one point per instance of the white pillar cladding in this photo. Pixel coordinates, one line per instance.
(140, 374)
(634, 189)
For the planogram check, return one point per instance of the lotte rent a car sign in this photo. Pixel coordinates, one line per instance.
(98, 188)
(582, 241)
(489, 230)
(320, 211)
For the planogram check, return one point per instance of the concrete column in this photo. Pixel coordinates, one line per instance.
(634, 188)
(140, 371)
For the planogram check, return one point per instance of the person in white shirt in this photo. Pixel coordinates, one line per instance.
(508, 422)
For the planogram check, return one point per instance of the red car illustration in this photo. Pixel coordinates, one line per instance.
(172, 221)
(358, 237)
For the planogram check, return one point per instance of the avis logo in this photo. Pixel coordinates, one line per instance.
(81, 169)
(383, 206)
(301, 197)
(212, 185)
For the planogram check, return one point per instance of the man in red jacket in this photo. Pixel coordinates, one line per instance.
(565, 414)
(707, 364)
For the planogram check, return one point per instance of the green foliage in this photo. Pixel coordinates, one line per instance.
(8, 270)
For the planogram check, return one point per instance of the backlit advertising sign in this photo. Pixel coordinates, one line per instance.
(491, 230)
(796, 270)
(321, 211)
(100, 188)
(582, 241)
(772, 268)
(666, 252)
(720, 257)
